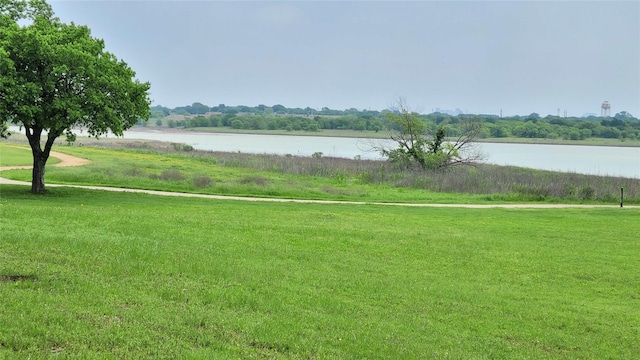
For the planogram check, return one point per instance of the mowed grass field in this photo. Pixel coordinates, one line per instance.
(13, 155)
(91, 274)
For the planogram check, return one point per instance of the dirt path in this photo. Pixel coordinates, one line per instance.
(65, 160)
(70, 160)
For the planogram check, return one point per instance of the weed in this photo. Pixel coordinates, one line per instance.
(260, 181)
(182, 147)
(172, 175)
(587, 193)
(134, 172)
(202, 181)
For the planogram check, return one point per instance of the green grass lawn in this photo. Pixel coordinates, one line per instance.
(90, 274)
(15, 155)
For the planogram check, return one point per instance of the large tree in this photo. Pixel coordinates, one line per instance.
(416, 143)
(57, 78)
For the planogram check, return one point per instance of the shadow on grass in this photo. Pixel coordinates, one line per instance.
(20, 192)
(17, 278)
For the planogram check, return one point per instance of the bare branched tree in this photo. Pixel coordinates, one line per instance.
(463, 150)
(416, 143)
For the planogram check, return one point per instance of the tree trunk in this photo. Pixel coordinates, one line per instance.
(40, 157)
(37, 180)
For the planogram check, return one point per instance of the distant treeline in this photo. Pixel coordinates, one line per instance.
(620, 126)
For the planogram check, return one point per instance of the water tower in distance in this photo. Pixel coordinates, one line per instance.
(605, 109)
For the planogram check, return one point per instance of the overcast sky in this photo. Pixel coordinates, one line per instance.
(478, 56)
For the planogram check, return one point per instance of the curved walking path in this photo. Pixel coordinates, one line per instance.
(70, 160)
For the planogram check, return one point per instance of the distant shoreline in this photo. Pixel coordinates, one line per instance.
(363, 135)
(383, 135)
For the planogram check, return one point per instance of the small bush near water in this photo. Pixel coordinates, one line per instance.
(182, 147)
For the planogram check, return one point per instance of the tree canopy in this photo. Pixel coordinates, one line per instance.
(623, 126)
(57, 79)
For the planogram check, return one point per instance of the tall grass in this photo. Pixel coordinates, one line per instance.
(530, 184)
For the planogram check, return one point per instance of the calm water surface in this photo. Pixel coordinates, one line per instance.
(599, 160)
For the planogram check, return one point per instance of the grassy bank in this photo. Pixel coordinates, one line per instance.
(89, 274)
(162, 166)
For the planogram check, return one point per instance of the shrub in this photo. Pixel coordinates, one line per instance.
(172, 175)
(568, 190)
(202, 181)
(539, 190)
(586, 193)
(182, 147)
(254, 180)
(134, 172)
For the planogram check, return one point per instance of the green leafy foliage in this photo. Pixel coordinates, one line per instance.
(621, 127)
(57, 78)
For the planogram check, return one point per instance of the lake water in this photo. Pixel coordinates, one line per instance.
(598, 160)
